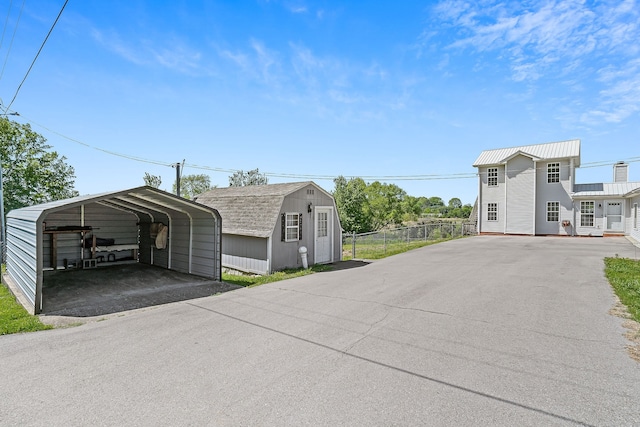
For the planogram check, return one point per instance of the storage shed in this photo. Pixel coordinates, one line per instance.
(143, 225)
(264, 226)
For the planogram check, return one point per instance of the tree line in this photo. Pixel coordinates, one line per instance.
(366, 207)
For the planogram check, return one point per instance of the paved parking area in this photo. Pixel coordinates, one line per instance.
(489, 330)
(120, 287)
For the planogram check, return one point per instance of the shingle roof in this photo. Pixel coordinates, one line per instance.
(619, 189)
(250, 210)
(548, 151)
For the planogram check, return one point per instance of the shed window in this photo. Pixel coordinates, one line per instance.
(553, 211)
(492, 177)
(587, 213)
(492, 212)
(553, 172)
(291, 227)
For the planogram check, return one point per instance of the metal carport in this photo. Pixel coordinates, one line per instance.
(52, 235)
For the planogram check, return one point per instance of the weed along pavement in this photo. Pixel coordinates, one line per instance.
(491, 330)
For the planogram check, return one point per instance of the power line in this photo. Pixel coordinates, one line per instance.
(37, 54)
(424, 177)
(15, 30)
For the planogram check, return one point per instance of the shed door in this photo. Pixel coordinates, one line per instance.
(324, 228)
(614, 216)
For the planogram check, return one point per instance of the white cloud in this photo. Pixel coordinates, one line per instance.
(595, 44)
(171, 54)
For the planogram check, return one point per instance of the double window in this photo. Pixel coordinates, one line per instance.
(587, 213)
(553, 211)
(492, 177)
(553, 172)
(492, 211)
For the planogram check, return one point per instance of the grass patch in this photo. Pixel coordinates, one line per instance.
(378, 250)
(14, 318)
(624, 276)
(250, 281)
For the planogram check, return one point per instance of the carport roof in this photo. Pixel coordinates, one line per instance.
(138, 197)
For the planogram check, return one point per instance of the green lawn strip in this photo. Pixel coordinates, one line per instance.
(250, 281)
(624, 276)
(14, 318)
(378, 251)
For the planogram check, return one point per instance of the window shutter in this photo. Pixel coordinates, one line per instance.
(283, 228)
(299, 226)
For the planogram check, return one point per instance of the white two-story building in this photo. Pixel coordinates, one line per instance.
(532, 190)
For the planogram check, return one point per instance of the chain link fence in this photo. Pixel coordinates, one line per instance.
(378, 244)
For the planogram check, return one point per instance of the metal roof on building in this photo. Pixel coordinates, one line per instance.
(548, 151)
(607, 189)
(250, 210)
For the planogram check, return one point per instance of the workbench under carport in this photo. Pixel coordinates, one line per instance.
(140, 225)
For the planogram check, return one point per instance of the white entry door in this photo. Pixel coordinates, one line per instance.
(614, 216)
(324, 227)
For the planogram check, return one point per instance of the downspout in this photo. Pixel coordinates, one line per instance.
(572, 183)
(505, 199)
(479, 207)
(535, 195)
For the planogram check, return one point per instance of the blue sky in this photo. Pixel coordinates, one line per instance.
(316, 89)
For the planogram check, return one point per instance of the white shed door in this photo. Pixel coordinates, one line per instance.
(323, 235)
(614, 216)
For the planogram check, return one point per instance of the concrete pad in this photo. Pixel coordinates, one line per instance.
(122, 287)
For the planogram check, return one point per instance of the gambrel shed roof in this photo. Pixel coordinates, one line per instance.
(252, 210)
(538, 152)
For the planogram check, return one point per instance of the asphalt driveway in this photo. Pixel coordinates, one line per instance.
(488, 330)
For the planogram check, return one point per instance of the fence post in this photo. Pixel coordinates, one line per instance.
(452, 229)
(425, 232)
(353, 246)
(384, 241)
(408, 235)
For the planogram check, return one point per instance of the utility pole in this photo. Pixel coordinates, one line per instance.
(3, 234)
(178, 179)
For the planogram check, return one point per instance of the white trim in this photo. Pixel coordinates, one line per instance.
(330, 232)
(287, 226)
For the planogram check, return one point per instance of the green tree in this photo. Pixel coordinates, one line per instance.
(351, 200)
(252, 177)
(31, 173)
(412, 208)
(152, 180)
(192, 185)
(455, 203)
(385, 204)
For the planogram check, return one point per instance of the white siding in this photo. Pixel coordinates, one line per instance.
(494, 194)
(520, 181)
(634, 229)
(554, 192)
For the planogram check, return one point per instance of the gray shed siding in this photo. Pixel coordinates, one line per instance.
(554, 192)
(520, 179)
(245, 253)
(493, 194)
(285, 254)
